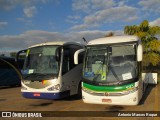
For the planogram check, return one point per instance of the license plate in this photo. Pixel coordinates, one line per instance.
(36, 94)
(107, 100)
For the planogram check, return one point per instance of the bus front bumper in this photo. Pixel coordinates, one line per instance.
(131, 99)
(39, 95)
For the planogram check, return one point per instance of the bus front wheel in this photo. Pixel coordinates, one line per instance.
(79, 91)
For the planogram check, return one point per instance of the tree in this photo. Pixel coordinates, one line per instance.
(110, 34)
(13, 54)
(151, 44)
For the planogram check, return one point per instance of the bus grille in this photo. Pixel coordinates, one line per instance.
(109, 93)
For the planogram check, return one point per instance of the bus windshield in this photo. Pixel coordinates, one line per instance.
(40, 63)
(110, 65)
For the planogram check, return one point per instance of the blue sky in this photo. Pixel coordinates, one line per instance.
(28, 22)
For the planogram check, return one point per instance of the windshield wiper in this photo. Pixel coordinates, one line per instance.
(109, 52)
(28, 75)
(114, 73)
(34, 75)
(39, 76)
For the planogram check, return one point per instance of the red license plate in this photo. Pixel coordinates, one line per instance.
(37, 94)
(107, 100)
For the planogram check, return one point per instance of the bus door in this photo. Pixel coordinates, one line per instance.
(68, 74)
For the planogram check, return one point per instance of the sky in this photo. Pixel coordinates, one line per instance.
(28, 22)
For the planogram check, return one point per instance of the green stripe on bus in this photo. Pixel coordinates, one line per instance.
(108, 88)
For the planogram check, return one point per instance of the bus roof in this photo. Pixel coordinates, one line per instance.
(57, 43)
(113, 39)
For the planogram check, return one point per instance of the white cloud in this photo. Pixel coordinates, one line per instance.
(115, 14)
(102, 4)
(73, 19)
(150, 5)
(79, 27)
(83, 26)
(30, 11)
(100, 12)
(28, 38)
(3, 24)
(155, 22)
(91, 5)
(10, 4)
(122, 3)
(81, 5)
(111, 15)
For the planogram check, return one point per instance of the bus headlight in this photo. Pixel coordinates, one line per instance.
(54, 88)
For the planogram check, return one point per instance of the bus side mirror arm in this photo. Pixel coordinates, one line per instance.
(76, 55)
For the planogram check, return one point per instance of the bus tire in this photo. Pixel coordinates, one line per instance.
(79, 91)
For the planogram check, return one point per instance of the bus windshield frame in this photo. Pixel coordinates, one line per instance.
(40, 63)
(108, 65)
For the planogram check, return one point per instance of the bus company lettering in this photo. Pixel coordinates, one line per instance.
(34, 115)
(14, 114)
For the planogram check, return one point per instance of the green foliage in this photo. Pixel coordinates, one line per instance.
(151, 44)
(151, 56)
(13, 54)
(110, 34)
(154, 45)
(144, 26)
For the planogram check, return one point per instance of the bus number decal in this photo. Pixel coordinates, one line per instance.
(130, 86)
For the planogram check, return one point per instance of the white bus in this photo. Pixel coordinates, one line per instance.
(49, 71)
(112, 72)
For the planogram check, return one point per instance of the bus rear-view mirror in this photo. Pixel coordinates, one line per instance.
(139, 53)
